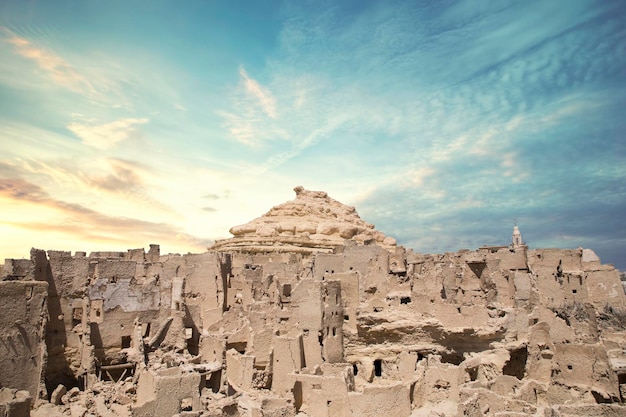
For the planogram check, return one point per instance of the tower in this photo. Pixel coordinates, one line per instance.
(517, 237)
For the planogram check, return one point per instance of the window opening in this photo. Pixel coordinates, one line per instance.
(378, 367)
(125, 342)
(516, 365)
(287, 290)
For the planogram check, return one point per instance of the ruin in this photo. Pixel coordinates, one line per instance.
(310, 311)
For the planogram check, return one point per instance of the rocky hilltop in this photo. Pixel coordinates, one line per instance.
(309, 311)
(313, 222)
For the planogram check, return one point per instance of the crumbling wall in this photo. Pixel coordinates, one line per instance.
(67, 278)
(240, 370)
(22, 335)
(323, 395)
(287, 358)
(332, 321)
(381, 400)
(586, 369)
(307, 310)
(167, 392)
(204, 293)
(603, 287)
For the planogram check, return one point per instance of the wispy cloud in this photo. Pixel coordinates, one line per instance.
(262, 94)
(252, 119)
(126, 176)
(60, 71)
(107, 135)
(416, 177)
(83, 222)
(97, 77)
(130, 184)
(127, 181)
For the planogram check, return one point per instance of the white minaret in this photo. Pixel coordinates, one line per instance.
(517, 237)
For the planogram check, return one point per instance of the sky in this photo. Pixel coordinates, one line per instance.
(126, 123)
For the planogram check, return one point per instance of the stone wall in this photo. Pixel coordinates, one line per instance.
(22, 335)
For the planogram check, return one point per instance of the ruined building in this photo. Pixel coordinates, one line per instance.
(310, 311)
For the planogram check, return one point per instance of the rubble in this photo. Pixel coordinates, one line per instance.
(14, 403)
(310, 311)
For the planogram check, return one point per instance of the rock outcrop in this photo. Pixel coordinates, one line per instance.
(313, 222)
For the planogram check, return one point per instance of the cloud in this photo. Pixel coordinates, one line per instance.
(127, 176)
(18, 189)
(83, 175)
(253, 119)
(417, 176)
(128, 182)
(85, 223)
(60, 71)
(262, 94)
(299, 145)
(104, 136)
(242, 130)
(7, 169)
(99, 79)
(211, 196)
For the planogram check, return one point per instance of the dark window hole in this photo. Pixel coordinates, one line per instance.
(378, 367)
(516, 365)
(125, 342)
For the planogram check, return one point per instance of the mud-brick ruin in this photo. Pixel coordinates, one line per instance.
(310, 311)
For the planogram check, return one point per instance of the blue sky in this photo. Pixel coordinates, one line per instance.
(129, 123)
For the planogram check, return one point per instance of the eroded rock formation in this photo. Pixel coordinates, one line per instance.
(313, 222)
(310, 311)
